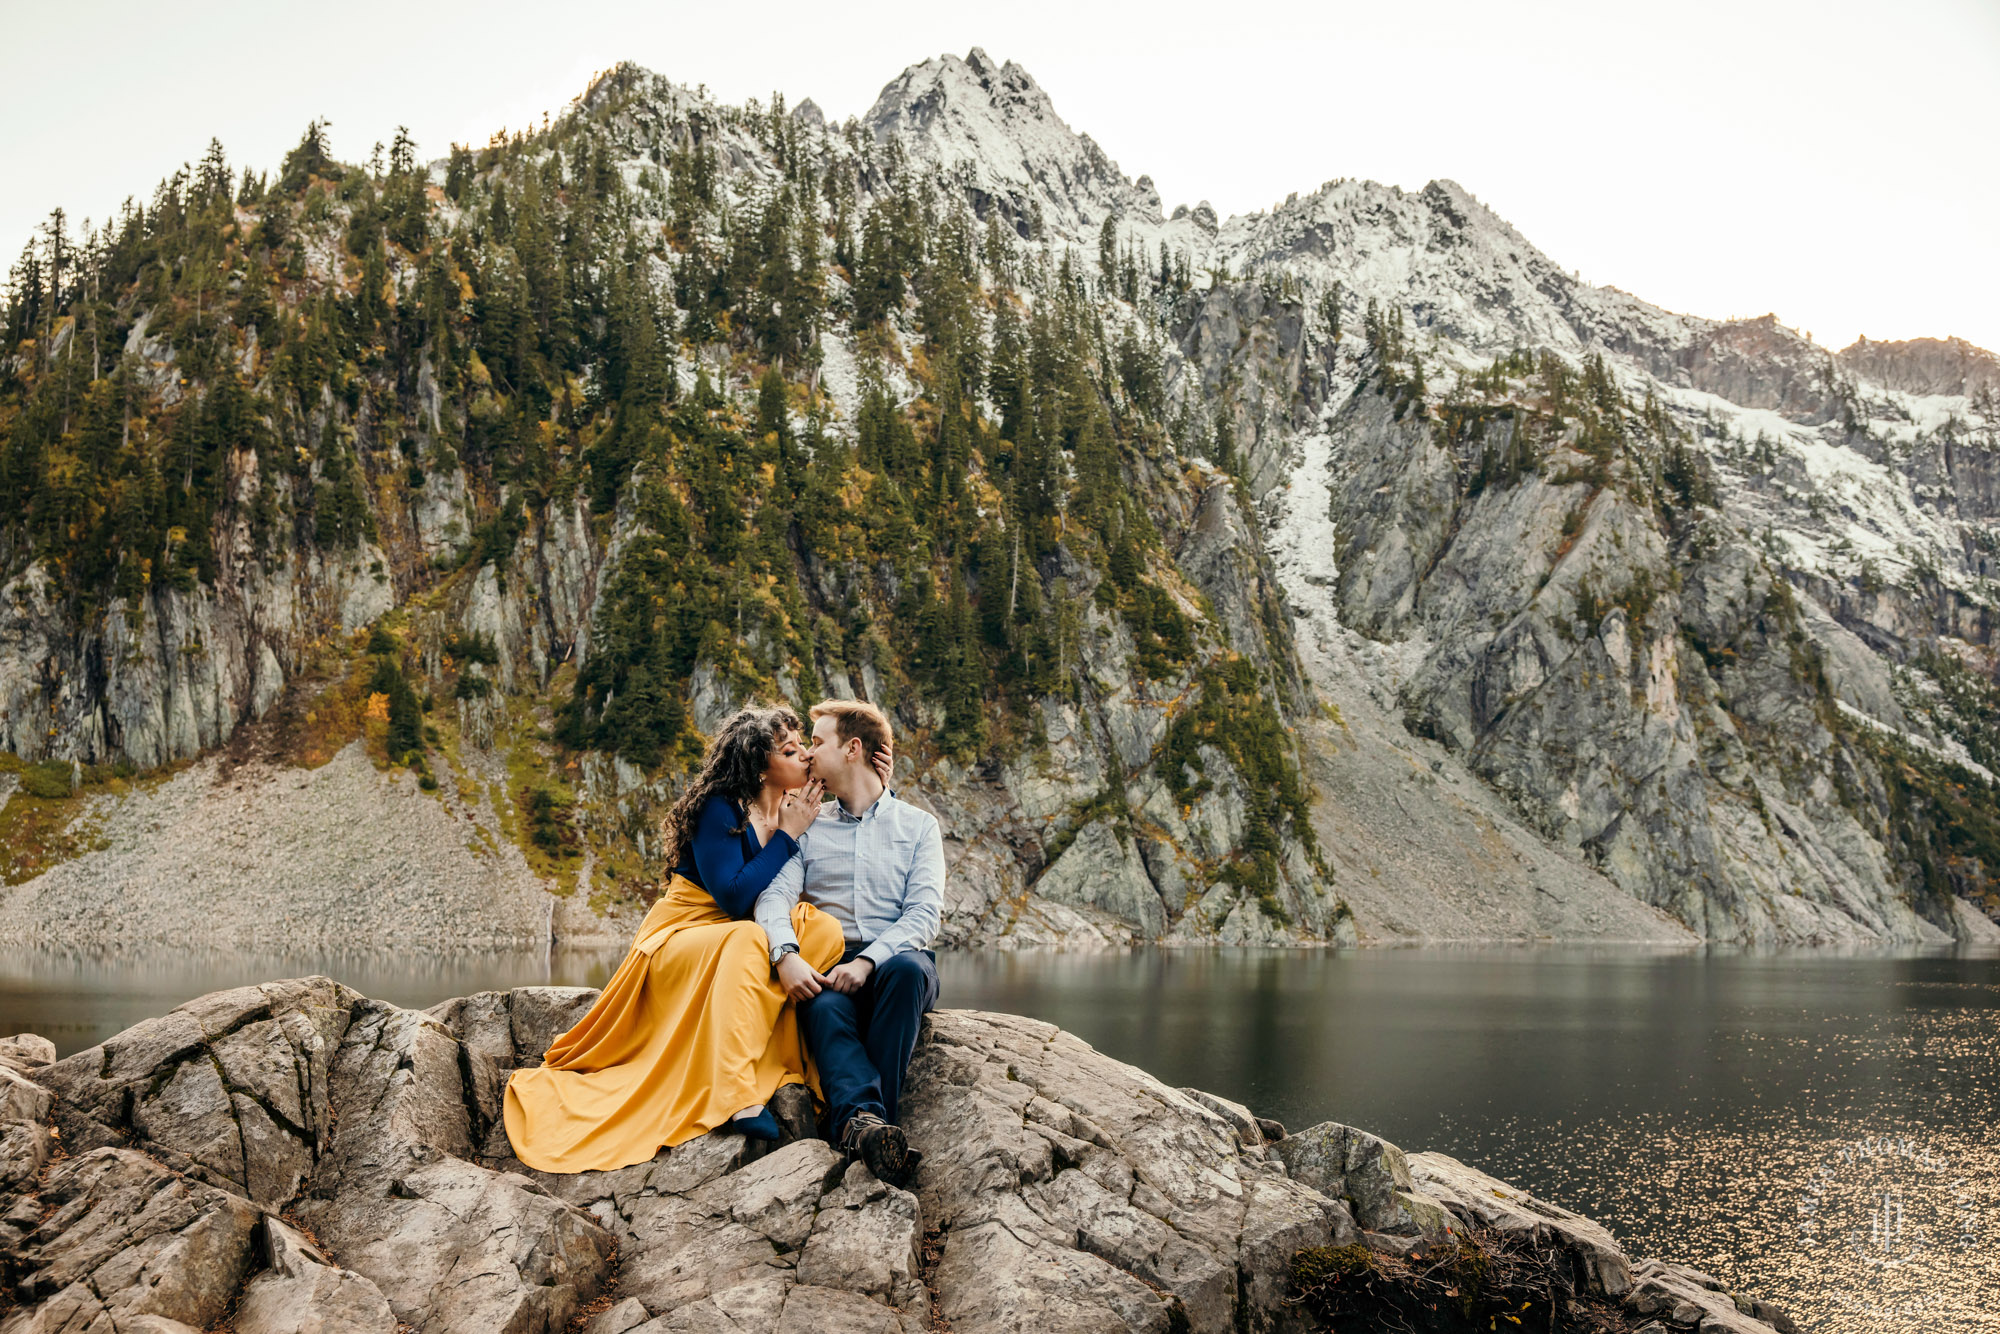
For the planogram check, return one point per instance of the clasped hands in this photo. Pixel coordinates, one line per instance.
(801, 981)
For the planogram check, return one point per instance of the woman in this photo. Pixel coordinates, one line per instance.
(691, 1033)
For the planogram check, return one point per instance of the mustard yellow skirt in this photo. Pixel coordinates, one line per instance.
(690, 1030)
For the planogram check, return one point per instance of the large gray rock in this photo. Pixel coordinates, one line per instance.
(1368, 1172)
(711, 1233)
(232, 1087)
(363, 1116)
(126, 1237)
(1477, 1197)
(452, 1245)
(1077, 1193)
(304, 1293)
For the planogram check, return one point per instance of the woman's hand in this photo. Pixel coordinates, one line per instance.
(885, 762)
(800, 807)
(797, 979)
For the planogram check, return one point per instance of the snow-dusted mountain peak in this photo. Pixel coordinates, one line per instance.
(994, 125)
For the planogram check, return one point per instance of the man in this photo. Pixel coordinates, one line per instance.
(875, 865)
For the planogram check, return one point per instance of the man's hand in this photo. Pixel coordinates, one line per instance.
(847, 978)
(797, 979)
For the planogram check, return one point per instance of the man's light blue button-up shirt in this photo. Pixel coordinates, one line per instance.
(879, 874)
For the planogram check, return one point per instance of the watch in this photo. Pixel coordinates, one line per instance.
(778, 953)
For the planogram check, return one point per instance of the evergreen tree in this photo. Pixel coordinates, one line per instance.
(309, 159)
(212, 180)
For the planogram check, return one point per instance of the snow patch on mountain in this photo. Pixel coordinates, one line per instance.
(1948, 749)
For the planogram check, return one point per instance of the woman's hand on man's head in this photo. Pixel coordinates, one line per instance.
(885, 762)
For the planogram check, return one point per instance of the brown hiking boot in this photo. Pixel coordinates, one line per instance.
(880, 1145)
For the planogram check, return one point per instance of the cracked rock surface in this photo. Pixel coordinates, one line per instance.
(300, 1159)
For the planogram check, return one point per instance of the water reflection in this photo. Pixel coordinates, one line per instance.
(1816, 1128)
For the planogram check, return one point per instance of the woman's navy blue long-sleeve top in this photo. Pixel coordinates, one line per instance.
(732, 866)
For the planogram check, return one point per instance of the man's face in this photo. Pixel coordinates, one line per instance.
(827, 759)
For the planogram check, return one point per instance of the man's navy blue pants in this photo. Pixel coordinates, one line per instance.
(862, 1043)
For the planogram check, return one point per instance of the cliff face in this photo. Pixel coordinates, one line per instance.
(1925, 367)
(1438, 595)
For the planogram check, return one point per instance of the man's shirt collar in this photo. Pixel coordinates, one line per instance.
(841, 813)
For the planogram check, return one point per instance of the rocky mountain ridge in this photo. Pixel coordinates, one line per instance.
(1579, 619)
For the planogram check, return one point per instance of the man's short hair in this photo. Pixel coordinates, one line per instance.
(856, 718)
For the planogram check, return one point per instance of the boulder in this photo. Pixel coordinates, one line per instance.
(715, 1231)
(1479, 1198)
(127, 1237)
(304, 1293)
(451, 1244)
(1077, 1193)
(1367, 1171)
(231, 1088)
(26, 1052)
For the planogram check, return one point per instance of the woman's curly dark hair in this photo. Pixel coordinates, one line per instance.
(734, 768)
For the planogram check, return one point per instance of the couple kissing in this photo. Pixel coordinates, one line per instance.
(790, 947)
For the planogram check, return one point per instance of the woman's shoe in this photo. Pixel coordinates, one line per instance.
(761, 1126)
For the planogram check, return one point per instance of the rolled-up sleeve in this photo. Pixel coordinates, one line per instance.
(774, 905)
(923, 900)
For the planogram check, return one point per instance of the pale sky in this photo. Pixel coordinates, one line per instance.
(1830, 161)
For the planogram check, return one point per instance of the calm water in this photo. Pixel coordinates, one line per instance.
(1817, 1129)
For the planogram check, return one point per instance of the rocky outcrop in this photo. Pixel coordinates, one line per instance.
(1925, 366)
(124, 1238)
(174, 671)
(1760, 364)
(1243, 350)
(302, 1158)
(994, 123)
